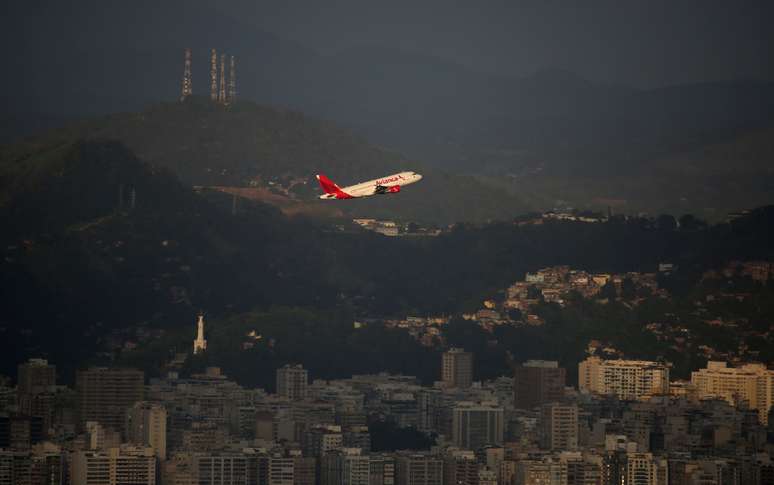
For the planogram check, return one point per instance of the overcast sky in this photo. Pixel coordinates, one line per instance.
(642, 43)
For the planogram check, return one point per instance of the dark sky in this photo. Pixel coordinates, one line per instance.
(641, 43)
(93, 56)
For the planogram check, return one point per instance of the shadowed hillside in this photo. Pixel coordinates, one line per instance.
(246, 145)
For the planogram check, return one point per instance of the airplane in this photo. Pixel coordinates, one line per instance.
(390, 184)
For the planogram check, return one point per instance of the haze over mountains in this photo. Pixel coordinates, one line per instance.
(109, 227)
(557, 138)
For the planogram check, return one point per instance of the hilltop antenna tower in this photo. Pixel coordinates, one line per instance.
(186, 89)
(232, 81)
(213, 75)
(222, 81)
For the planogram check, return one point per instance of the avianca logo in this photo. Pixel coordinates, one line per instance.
(389, 179)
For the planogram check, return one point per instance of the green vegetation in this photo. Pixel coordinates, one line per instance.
(96, 241)
(206, 144)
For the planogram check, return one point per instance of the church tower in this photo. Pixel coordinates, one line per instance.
(200, 345)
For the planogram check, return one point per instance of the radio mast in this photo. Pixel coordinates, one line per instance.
(213, 75)
(222, 81)
(232, 81)
(186, 88)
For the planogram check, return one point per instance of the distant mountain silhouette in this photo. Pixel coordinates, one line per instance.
(425, 107)
(566, 129)
(205, 144)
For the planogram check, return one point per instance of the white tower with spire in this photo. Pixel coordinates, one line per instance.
(200, 345)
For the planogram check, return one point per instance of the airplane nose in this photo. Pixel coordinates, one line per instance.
(419, 177)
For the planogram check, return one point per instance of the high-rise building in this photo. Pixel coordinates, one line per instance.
(429, 405)
(47, 467)
(180, 469)
(583, 472)
(304, 470)
(508, 472)
(641, 469)
(126, 465)
(382, 469)
(537, 382)
(105, 394)
(281, 470)
(559, 427)
(20, 432)
(476, 425)
(357, 437)
(100, 438)
(752, 384)
(204, 436)
(35, 376)
(14, 467)
(457, 368)
(36, 391)
(199, 344)
(322, 439)
(347, 466)
(546, 471)
(460, 468)
(146, 424)
(292, 382)
(418, 469)
(625, 379)
(487, 476)
(223, 468)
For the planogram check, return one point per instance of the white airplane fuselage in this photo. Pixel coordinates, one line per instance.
(385, 185)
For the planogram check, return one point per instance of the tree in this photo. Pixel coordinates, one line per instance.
(533, 292)
(628, 290)
(689, 222)
(608, 291)
(666, 223)
(514, 314)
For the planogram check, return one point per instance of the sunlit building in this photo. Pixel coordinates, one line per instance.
(126, 465)
(625, 379)
(146, 424)
(559, 426)
(751, 384)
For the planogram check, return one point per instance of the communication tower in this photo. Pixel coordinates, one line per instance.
(213, 75)
(232, 81)
(222, 81)
(186, 89)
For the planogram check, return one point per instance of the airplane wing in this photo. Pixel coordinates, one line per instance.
(382, 189)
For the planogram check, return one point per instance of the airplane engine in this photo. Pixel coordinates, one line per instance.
(394, 189)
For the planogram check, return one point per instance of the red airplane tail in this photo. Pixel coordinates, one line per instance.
(327, 185)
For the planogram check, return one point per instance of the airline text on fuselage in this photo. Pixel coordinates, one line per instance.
(387, 180)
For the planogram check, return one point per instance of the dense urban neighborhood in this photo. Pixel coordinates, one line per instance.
(616, 420)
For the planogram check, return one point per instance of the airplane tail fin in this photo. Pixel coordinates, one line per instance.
(327, 185)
